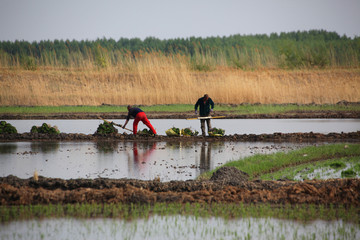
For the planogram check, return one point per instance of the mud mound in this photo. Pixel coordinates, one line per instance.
(15, 191)
(229, 175)
(277, 137)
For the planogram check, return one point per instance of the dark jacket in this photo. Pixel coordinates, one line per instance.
(133, 112)
(204, 107)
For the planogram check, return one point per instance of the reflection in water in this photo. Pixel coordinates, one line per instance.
(44, 147)
(138, 164)
(8, 148)
(135, 160)
(106, 146)
(205, 157)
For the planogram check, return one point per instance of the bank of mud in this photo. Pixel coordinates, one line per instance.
(15, 191)
(189, 114)
(276, 137)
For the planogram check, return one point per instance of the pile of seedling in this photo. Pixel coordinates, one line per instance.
(216, 132)
(6, 128)
(145, 132)
(45, 128)
(106, 128)
(181, 132)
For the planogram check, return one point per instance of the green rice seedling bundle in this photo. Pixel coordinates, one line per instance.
(145, 132)
(45, 128)
(189, 132)
(106, 128)
(7, 128)
(216, 132)
(173, 131)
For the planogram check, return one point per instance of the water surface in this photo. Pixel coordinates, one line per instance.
(231, 126)
(136, 160)
(178, 227)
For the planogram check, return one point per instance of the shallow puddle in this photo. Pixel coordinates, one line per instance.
(135, 160)
(178, 227)
(231, 126)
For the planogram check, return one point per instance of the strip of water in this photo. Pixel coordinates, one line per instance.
(231, 126)
(178, 227)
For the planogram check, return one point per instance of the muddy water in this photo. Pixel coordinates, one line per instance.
(136, 160)
(231, 126)
(178, 227)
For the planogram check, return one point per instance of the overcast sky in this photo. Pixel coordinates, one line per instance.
(35, 20)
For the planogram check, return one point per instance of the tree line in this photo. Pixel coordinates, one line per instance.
(300, 49)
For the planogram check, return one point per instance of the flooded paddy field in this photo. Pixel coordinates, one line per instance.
(231, 126)
(128, 170)
(179, 227)
(134, 160)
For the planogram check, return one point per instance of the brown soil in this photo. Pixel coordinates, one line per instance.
(275, 137)
(15, 191)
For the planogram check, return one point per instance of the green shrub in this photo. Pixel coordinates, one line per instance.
(106, 128)
(45, 128)
(7, 128)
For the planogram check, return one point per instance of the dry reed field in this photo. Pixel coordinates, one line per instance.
(169, 80)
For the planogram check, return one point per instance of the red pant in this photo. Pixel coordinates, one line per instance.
(141, 116)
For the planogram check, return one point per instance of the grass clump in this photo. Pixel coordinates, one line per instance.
(265, 166)
(7, 128)
(106, 128)
(337, 165)
(348, 173)
(45, 128)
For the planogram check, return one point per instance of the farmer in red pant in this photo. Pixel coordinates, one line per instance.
(139, 115)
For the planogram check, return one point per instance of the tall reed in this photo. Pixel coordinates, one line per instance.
(153, 78)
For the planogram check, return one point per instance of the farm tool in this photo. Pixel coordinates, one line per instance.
(115, 124)
(209, 117)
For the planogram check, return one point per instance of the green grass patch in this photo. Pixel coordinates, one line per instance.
(137, 211)
(316, 170)
(258, 165)
(238, 109)
(348, 173)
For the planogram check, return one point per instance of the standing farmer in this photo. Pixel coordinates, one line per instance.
(139, 115)
(204, 103)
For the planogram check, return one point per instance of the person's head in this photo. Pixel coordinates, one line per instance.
(206, 97)
(128, 107)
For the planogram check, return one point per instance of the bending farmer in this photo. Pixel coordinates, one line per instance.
(139, 115)
(204, 103)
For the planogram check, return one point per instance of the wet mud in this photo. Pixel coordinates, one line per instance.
(15, 191)
(275, 137)
(188, 114)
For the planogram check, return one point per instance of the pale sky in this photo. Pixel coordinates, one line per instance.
(35, 20)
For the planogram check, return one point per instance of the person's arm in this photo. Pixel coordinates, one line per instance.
(196, 106)
(127, 120)
(211, 104)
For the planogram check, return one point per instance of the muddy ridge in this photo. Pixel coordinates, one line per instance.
(15, 191)
(188, 114)
(276, 137)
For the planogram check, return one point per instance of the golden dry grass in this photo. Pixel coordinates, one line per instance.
(155, 79)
